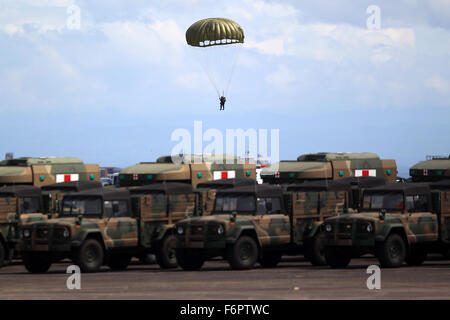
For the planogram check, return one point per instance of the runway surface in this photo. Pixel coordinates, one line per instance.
(294, 278)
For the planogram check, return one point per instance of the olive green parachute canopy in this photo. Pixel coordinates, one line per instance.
(213, 32)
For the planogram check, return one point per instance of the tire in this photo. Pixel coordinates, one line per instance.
(270, 259)
(119, 261)
(189, 260)
(166, 255)
(243, 254)
(416, 257)
(337, 258)
(2, 255)
(89, 256)
(315, 250)
(392, 252)
(147, 258)
(37, 263)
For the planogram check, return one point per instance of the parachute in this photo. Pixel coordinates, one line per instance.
(213, 32)
(216, 43)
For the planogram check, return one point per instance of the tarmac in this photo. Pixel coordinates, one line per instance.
(294, 279)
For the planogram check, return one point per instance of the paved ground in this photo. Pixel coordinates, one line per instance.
(293, 279)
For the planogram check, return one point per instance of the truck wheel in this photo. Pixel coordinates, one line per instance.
(337, 258)
(147, 258)
(2, 255)
(392, 252)
(166, 256)
(270, 259)
(119, 261)
(417, 257)
(315, 250)
(36, 263)
(189, 260)
(243, 254)
(89, 256)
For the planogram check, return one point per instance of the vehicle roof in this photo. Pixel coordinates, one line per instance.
(166, 187)
(227, 183)
(442, 185)
(258, 190)
(328, 156)
(72, 186)
(343, 184)
(28, 161)
(105, 193)
(407, 188)
(21, 191)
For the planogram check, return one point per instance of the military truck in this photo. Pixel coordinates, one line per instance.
(18, 205)
(397, 223)
(330, 166)
(435, 168)
(193, 169)
(47, 170)
(262, 223)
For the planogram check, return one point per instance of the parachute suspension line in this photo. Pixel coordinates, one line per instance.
(232, 69)
(211, 80)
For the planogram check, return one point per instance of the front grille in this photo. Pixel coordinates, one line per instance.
(42, 233)
(345, 230)
(197, 230)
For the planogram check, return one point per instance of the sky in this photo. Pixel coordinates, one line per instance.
(112, 88)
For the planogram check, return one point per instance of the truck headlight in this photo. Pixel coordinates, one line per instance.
(220, 230)
(369, 228)
(180, 230)
(66, 233)
(328, 227)
(26, 233)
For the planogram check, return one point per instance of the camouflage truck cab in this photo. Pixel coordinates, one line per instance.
(435, 168)
(161, 205)
(397, 223)
(330, 166)
(206, 192)
(193, 169)
(94, 226)
(18, 205)
(43, 171)
(53, 194)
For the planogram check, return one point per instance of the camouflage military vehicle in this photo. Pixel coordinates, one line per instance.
(52, 194)
(397, 223)
(18, 204)
(435, 168)
(193, 169)
(259, 222)
(42, 171)
(92, 224)
(330, 166)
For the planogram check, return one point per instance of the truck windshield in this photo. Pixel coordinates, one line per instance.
(230, 203)
(388, 201)
(84, 206)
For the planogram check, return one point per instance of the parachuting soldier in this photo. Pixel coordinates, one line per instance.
(222, 102)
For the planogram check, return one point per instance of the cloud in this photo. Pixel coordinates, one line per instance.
(281, 77)
(438, 83)
(159, 41)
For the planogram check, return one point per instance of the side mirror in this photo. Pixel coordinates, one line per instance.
(233, 216)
